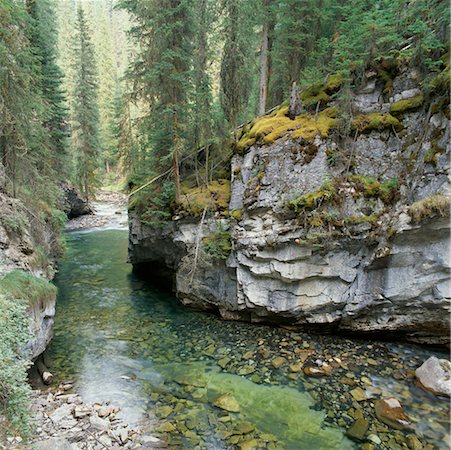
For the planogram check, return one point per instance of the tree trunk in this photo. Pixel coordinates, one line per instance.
(295, 102)
(264, 68)
(175, 165)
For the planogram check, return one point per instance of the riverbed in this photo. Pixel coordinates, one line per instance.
(200, 382)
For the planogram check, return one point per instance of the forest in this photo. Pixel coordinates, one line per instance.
(275, 162)
(99, 92)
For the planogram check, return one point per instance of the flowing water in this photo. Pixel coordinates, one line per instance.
(123, 340)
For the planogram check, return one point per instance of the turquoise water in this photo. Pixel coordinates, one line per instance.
(123, 340)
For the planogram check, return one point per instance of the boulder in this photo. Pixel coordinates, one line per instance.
(73, 204)
(434, 376)
(390, 412)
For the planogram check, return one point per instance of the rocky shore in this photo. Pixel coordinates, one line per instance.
(63, 422)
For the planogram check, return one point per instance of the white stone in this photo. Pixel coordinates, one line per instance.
(435, 376)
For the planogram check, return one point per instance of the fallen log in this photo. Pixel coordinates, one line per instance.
(46, 375)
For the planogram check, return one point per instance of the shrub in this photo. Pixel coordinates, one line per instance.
(15, 224)
(218, 244)
(14, 390)
(313, 200)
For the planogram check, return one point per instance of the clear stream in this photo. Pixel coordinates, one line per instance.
(125, 341)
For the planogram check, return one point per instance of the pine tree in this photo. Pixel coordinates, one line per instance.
(86, 113)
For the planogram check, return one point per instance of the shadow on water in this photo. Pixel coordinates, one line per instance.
(130, 342)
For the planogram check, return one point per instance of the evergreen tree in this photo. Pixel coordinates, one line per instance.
(24, 141)
(86, 113)
(236, 64)
(162, 78)
(43, 40)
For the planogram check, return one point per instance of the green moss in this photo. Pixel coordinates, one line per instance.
(407, 104)
(334, 82)
(214, 197)
(355, 220)
(321, 92)
(388, 190)
(432, 153)
(375, 121)
(314, 94)
(237, 214)
(368, 185)
(24, 286)
(435, 205)
(313, 200)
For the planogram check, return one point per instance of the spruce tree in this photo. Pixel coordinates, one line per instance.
(162, 79)
(85, 107)
(43, 41)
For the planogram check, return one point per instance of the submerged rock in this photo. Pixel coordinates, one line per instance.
(434, 376)
(390, 412)
(358, 429)
(227, 402)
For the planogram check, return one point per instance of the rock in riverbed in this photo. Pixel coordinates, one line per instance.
(434, 375)
(390, 412)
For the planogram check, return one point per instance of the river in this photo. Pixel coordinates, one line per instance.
(124, 340)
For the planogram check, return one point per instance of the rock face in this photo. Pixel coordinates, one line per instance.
(362, 259)
(434, 376)
(18, 251)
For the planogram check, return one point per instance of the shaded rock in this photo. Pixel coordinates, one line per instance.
(434, 375)
(227, 402)
(167, 427)
(358, 429)
(413, 442)
(74, 205)
(251, 444)
(390, 412)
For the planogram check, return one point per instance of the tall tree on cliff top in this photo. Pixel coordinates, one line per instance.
(86, 112)
(161, 77)
(43, 39)
(236, 65)
(296, 30)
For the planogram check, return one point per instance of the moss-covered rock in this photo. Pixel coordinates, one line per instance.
(214, 197)
(407, 104)
(365, 123)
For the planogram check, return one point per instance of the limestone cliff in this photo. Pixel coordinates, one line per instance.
(340, 233)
